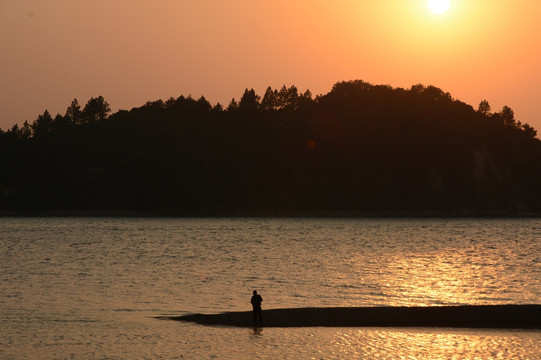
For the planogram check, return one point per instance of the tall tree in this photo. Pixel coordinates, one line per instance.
(288, 97)
(73, 112)
(204, 104)
(269, 99)
(484, 107)
(233, 105)
(26, 131)
(508, 116)
(96, 109)
(42, 125)
(249, 102)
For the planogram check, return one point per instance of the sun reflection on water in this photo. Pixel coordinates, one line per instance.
(463, 276)
(434, 344)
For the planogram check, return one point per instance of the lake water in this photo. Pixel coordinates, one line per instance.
(91, 288)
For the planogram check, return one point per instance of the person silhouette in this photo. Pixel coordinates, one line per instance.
(256, 304)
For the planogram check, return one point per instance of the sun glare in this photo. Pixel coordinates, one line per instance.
(439, 6)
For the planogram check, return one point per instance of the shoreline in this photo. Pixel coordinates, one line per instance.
(277, 214)
(465, 316)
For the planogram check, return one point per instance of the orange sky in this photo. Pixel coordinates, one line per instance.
(133, 51)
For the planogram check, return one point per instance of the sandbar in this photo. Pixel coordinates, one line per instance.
(467, 316)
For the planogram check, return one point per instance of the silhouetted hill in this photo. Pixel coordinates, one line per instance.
(361, 149)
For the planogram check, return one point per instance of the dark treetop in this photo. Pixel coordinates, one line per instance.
(361, 149)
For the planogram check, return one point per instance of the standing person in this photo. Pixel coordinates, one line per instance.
(256, 304)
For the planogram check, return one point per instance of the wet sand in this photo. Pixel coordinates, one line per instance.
(475, 316)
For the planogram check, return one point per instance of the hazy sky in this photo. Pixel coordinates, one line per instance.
(133, 51)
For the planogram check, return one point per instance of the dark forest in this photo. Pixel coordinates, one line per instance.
(360, 150)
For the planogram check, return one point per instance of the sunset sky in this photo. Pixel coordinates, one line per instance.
(134, 51)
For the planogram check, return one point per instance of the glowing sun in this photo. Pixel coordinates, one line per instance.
(439, 6)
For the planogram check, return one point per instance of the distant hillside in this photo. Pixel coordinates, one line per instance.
(361, 149)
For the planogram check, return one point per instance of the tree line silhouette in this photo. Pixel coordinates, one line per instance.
(360, 149)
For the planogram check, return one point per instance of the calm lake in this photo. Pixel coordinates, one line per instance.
(92, 288)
